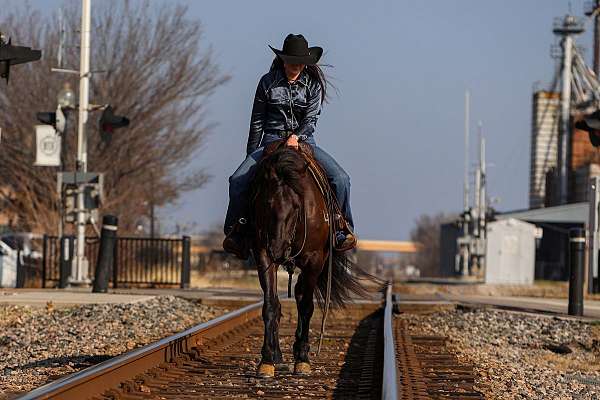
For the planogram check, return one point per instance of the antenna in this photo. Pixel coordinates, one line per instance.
(61, 38)
(466, 183)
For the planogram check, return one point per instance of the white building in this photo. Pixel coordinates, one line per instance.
(511, 252)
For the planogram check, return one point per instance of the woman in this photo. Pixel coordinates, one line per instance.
(286, 106)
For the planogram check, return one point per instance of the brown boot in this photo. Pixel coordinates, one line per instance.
(236, 242)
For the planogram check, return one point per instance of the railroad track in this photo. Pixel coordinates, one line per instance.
(366, 355)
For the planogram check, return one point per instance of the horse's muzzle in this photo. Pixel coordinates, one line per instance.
(280, 252)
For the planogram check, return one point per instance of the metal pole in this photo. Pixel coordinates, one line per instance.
(44, 260)
(576, 270)
(66, 260)
(593, 230)
(597, 42)
(477, 191)
(482, 196)
(106, 252)
(466, 183)
(185, 262)
(563, 145)
(80, 275)
(466, 253)
(593, 12)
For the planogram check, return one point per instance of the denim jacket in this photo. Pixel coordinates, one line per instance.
(280, 107)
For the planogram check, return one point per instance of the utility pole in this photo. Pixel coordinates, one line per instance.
(482, 180)
(566, 28)
(482, 210)
(477, 191)
(466, 181)
(464, 242)
(80, 274)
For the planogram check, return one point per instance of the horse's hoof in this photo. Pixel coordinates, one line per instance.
(265, 371)
(301, 368)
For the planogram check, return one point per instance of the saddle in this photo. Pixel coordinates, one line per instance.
(320, 177)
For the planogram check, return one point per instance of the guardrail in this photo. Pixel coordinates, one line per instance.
(390, 388)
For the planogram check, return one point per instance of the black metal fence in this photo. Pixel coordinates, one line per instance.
(138, 261)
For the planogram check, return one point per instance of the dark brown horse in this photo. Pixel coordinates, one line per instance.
(291, 221)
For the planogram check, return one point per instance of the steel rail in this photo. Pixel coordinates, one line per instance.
(389, 388)
(95, 380)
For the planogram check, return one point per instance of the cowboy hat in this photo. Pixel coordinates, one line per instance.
(296, 51)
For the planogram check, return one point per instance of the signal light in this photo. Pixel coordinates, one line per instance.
(47, 118)
(13, 55)
(109, 122)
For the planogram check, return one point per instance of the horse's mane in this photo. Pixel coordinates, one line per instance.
(288, 165)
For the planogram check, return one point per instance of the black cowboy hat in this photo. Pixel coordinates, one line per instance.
(296, 51)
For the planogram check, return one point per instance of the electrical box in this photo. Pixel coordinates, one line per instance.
(69, 184)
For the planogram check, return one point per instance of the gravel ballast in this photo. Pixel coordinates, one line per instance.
(519, 355)
(40, 345)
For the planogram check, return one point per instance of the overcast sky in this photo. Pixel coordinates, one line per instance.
(401, 67)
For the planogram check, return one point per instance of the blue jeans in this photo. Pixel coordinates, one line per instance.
(241, 178)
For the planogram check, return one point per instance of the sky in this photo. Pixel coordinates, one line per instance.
(397, 125)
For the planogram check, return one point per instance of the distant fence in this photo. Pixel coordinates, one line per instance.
(149, 262)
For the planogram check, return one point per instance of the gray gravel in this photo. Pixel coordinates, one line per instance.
(40, 345)
(518, 355)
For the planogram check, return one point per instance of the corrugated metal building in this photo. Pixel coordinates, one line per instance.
(544, 144)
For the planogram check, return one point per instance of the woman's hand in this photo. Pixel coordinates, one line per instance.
(292, 141)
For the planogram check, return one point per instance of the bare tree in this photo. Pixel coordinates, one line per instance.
(427, 232)
(154, 67)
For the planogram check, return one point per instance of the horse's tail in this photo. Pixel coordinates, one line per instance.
(347, 281)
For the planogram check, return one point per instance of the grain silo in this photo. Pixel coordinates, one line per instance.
(544, 144)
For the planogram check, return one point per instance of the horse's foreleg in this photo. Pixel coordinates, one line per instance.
(271, 311)
(304, 301)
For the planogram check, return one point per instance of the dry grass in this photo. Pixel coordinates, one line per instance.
(546, 289)
(233, 279)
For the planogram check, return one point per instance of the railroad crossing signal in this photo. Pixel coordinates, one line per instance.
(109, 122)
(13, 55)
(591, 124)
(49, 138)
(91, 183)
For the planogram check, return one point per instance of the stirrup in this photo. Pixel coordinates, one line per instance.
(345, 242)
(236, 241)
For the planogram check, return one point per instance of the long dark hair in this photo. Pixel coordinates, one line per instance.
(314, 71)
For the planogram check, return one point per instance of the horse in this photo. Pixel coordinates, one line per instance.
(292, 225)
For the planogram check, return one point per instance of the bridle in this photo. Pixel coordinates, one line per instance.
(288, 263)
(289, 259)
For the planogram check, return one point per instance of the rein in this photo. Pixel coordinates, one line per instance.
(329, 277)
(289, 261)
